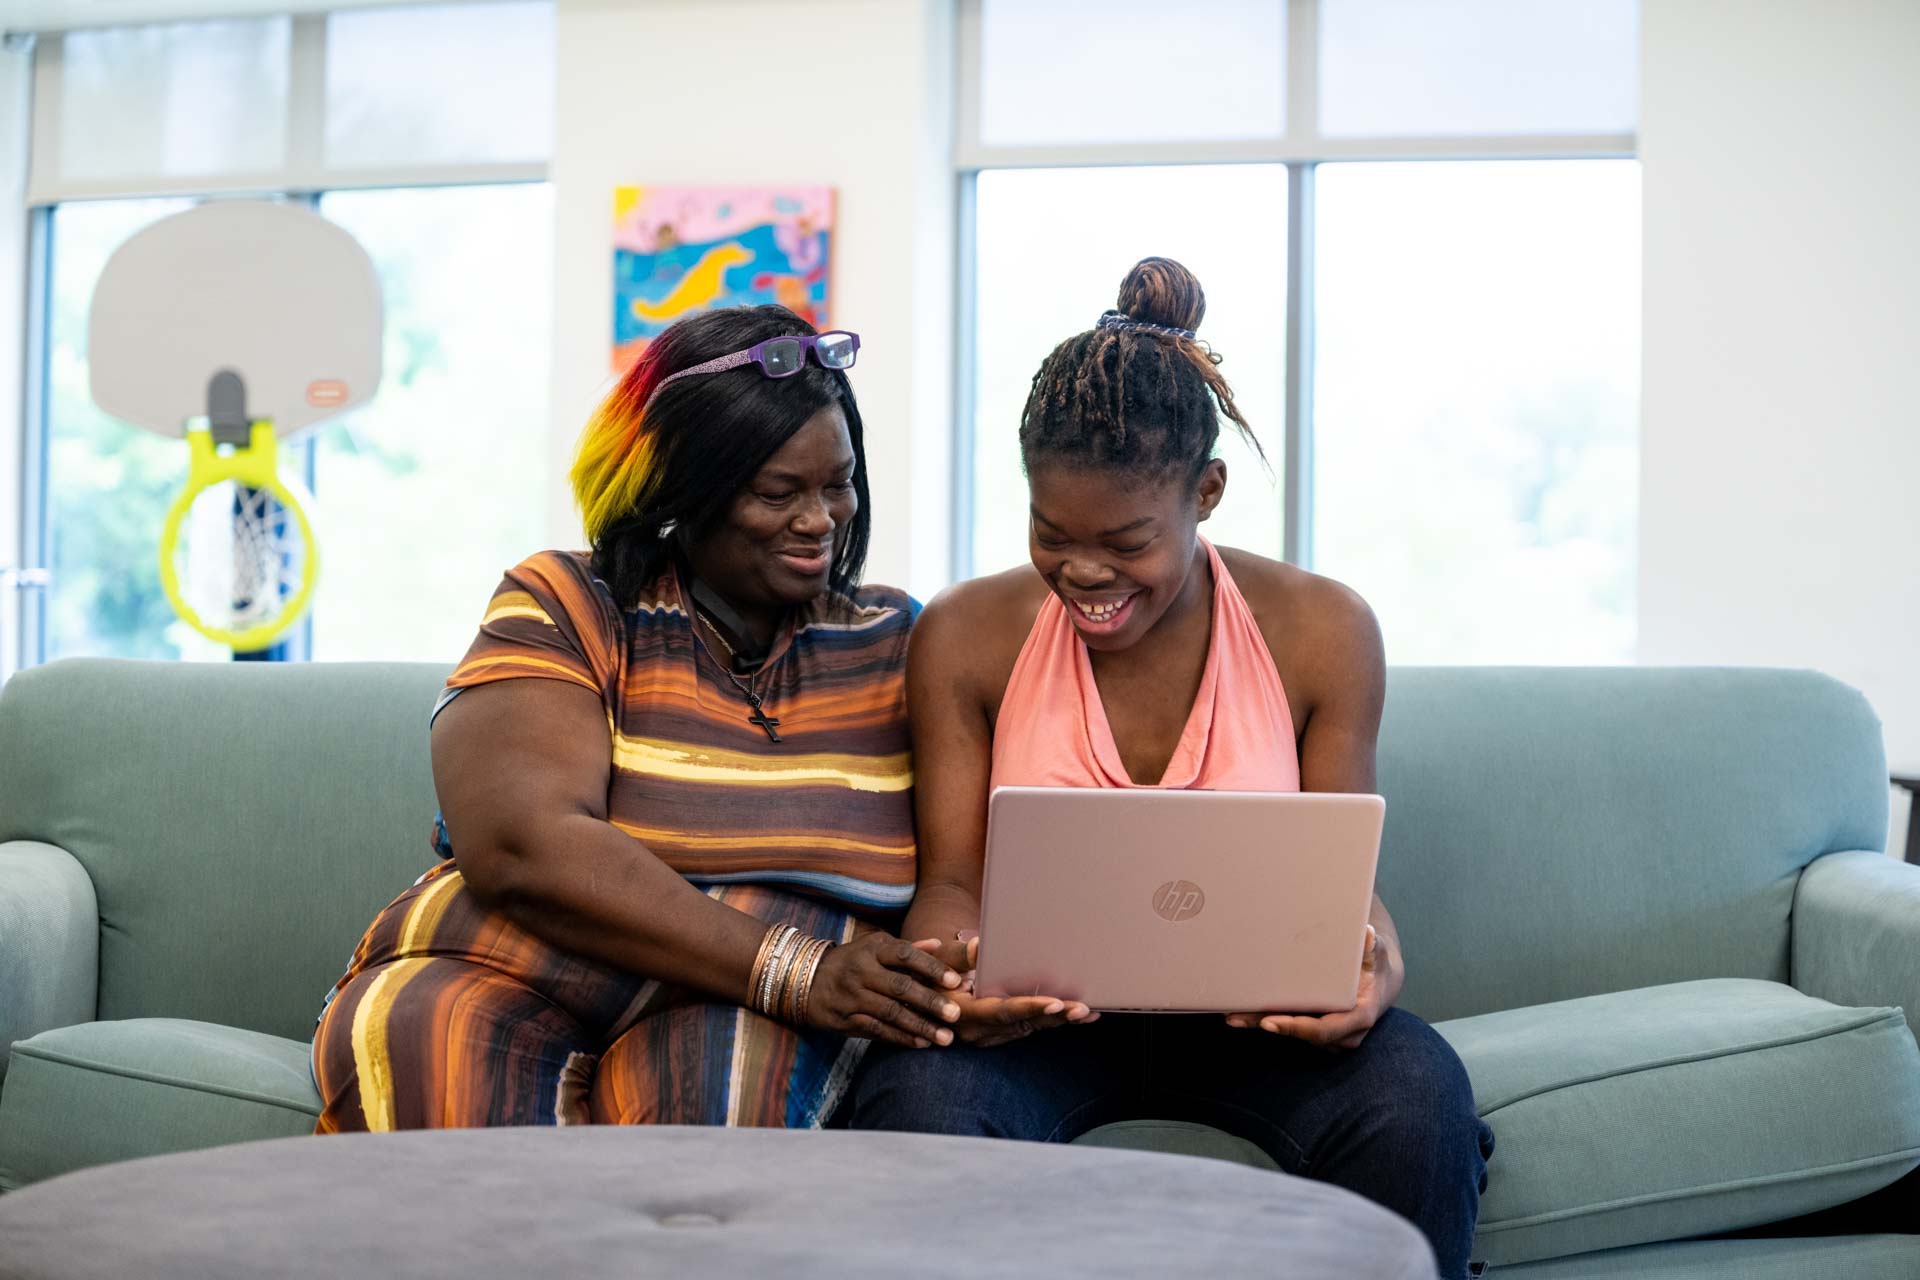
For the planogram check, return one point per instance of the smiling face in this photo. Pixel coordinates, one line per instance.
(774, 548)
(1117, 548)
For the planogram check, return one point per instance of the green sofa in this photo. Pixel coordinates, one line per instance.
(1647, 906)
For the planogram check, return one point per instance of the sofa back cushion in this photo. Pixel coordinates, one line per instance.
(242, 822)
(1551, 832)
(1556, 832)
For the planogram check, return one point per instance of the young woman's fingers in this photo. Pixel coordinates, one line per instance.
(952, 953)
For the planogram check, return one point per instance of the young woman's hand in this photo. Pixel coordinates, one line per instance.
(1333, 1031)
(994, 1020)
(883, 988)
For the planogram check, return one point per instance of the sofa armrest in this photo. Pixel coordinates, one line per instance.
(1856, 932)
(49, 942)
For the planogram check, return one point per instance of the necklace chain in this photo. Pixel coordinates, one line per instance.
(751, 685)
(753, 680)
(713, 629)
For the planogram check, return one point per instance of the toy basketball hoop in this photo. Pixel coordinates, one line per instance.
(263, 320)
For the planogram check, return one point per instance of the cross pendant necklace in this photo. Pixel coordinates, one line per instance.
(759, 716)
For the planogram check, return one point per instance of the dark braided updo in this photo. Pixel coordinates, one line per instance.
(1137, 392)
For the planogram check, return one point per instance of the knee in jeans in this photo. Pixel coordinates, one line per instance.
(921, 1090)
(1429, 1105)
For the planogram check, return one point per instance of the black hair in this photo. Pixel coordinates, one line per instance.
(1137, 392)
(685, 452)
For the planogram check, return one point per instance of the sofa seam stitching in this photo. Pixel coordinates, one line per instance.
(149, 1077)
(1717, 1188)
(1707, 1055)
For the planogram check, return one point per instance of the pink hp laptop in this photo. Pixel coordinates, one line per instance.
(1192, 901)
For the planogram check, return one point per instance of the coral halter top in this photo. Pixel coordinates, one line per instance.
(1053, 730)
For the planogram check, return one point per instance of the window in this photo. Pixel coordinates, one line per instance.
(439, 172)
(1078, 230)
(109, 484)
(1046, 81)
(1476, 401)
(413, 86)
(1478, 68)
(439, 470)
(188, 99)
(1418, 228)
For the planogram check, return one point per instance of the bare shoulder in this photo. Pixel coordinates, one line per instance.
(1308, 603)
(1323, 636)
(972, 632)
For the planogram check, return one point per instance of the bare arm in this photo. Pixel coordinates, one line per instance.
(953, 766)
(1343, 729)
(522, 769)
(1337, 668)
(947, 677)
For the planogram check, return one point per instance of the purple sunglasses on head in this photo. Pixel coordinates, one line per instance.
(781, 357)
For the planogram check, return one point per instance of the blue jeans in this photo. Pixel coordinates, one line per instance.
(1392, 1120)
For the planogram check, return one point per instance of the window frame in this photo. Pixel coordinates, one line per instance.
(1301, 148)
(304, 180)
(305, 171)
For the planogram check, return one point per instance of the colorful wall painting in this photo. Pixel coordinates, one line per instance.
(678, 250)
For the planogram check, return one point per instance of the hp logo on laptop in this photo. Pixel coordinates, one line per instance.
(1178, 900)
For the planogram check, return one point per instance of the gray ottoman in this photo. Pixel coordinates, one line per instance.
(691, 1202)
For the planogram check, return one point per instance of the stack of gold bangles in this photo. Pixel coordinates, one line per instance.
(781, 979)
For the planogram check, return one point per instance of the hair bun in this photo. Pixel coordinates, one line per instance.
(1161, 291)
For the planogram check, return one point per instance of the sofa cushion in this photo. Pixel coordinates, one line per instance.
(234, 871)
(1177, 1138)
(1683, 1110)
(1876, 1257)
(104, 1091)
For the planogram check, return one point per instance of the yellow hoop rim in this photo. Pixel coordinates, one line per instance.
(257, 467)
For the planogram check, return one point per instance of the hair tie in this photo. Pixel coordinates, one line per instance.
(1121, 320)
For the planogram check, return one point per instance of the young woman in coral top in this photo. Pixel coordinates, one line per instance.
(1134, 653)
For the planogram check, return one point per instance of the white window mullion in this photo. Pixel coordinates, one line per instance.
(1292, 151)
(1303, 130)
(43, 160)
(966, 114)
(280, 181)
(1296, 479)
(307, 95)
(1303, 71)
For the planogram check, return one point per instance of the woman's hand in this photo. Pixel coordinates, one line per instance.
(1331, 1031)
(882, 988)
(987, 1021)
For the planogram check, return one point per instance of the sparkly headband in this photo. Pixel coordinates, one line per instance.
(1121, 320)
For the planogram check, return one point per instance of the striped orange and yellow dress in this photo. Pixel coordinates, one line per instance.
(452, 1015)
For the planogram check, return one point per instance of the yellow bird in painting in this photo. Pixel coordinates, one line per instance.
(698, 288)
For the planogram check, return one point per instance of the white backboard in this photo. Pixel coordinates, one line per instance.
(274, 292)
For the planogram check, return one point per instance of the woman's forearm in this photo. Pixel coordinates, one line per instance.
(587, 887)
(940, 911)
(1387, 939)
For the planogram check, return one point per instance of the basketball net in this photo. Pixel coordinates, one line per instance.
(241, 558)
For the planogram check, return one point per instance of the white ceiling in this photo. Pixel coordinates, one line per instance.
(62, 15)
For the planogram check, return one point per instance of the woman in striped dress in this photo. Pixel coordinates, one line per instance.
(676, 794)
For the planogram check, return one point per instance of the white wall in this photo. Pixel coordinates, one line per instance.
(855, 93)
(1780, 456)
